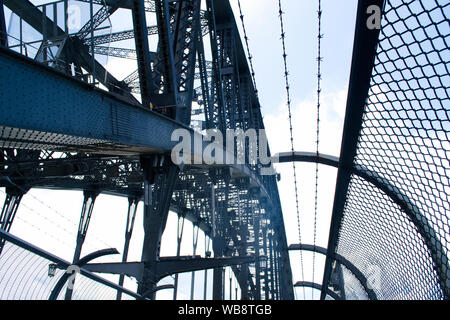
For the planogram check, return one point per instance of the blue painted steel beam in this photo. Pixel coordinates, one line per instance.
(70, 113)
(42, 108)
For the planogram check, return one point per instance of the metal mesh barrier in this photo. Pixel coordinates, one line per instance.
(353, 288)
(386, 246)
(395, 228)
(24, 275)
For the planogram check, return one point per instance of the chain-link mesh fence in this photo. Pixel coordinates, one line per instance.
(398, 235)
(25, 275)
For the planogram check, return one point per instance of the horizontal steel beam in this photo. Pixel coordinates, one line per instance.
(171, 266)
(168, 265)
(131, 269)
(43, 108)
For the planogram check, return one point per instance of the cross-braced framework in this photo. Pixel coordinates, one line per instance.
(114, 136)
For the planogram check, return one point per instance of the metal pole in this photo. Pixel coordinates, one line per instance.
(194, 247)
(223, 283)
(92, 41)
(217, 273)
(256, 228)
(213, 210)
(132, 208)
(85, 218)
(3, 31)
(272, 281)
(231, 286)
(180, 228)
(9, 211)
(205, 283)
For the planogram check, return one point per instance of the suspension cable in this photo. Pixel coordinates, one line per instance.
(286, 77)
(250, 57)
(319, 90)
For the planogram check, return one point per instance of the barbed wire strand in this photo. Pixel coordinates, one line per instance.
(286, 77)
(250, 57)
(319, 90)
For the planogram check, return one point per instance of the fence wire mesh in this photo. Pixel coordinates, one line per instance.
(353, 288)
(404, 144)
(25, 276)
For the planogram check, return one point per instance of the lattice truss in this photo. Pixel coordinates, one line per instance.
(401, 240)
(207, 68)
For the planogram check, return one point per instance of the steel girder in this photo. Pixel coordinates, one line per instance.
(75, 51)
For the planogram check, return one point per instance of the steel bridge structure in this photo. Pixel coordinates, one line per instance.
(67, 123)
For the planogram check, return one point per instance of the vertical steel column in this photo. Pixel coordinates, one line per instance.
(231, 286)
(272, 281)
(194, 249)
(91, 10)
(218, 244)
(256, 222)
(160, 175)
(166, 56)
(180, 229)
(243, 231)
(207, 255)
(3, 31)
(142, 51)
(223, 284)
(277, 272)
(44, 33)
(266, 271)
(66, 17)
(204, 82)
(9, 210)
(131, 215)
(217, 275)
(21, 36)
(218, 105)
(85, 218)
